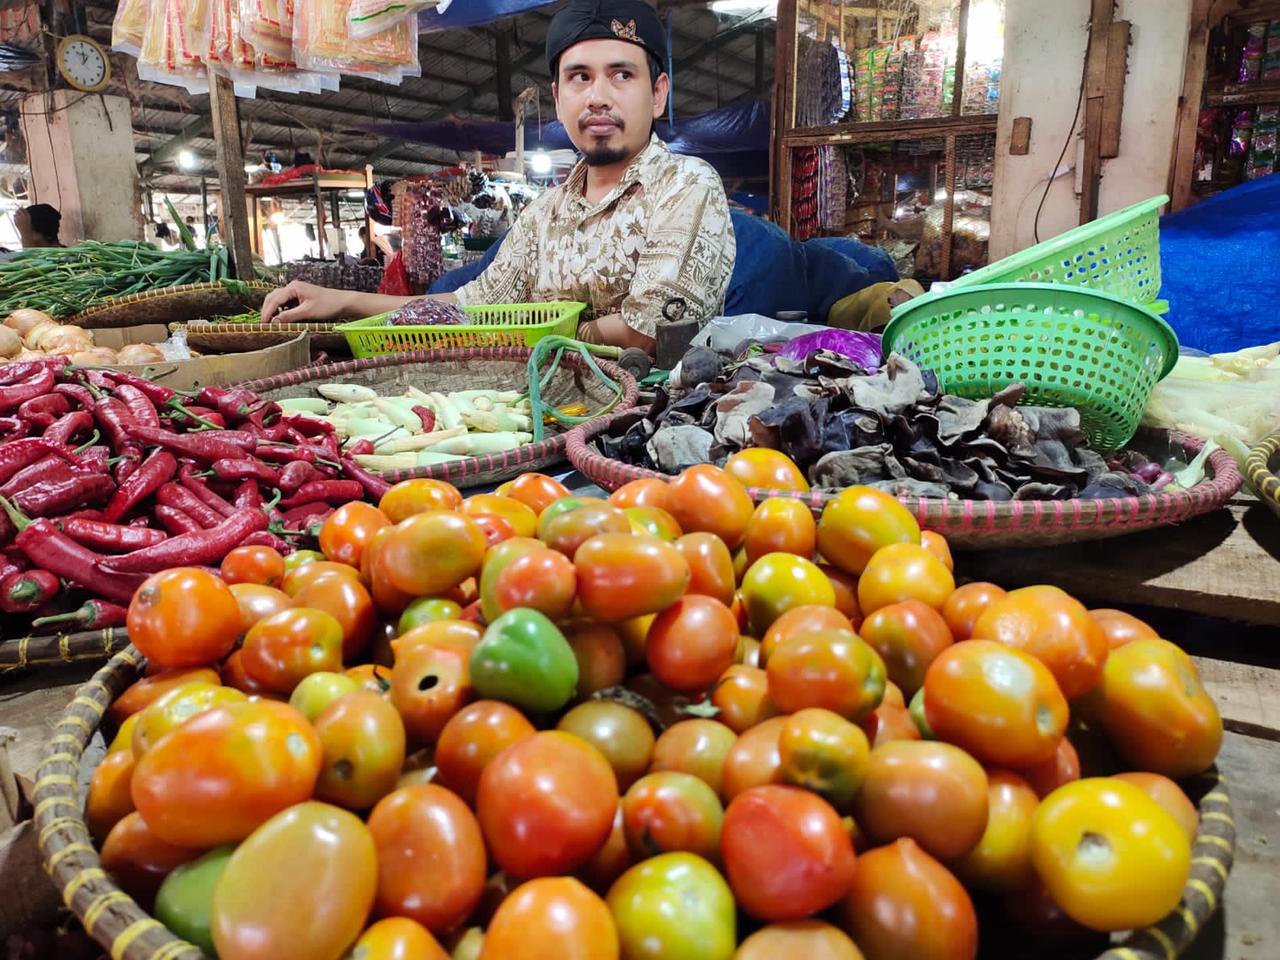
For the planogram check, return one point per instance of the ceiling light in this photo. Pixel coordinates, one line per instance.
(540, 163)
(187, 160)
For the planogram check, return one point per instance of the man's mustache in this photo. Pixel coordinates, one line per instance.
(589, 118)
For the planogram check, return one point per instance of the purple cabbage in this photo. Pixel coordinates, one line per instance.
(862, 348)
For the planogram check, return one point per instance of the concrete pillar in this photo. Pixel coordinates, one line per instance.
(80, 150)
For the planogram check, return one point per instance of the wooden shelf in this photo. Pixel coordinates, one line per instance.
(1260, 92)
(308, 185)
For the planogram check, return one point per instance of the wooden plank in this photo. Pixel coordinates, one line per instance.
(1020, 137)
(957, 92)
(889, 130)
(1258, 92)
(1095, 77)
(229, 154)
(1182, 172)
(1091, 161)
(1113, 97)
(1223, 564)
(1247, 695)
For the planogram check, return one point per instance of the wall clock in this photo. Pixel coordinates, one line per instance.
(83, 63)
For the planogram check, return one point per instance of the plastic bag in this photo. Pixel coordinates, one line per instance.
(173, 44)
(129, 25)
(268, 26)
(723, 334)
(369, 17)
(862, 348)
(322, 42)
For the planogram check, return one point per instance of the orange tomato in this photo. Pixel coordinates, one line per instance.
(766, 469)
(797, 620)
(781, 525)
(543, 580)
(602, 659)
(390, 601)
(845, 586)
(1169, 795)
(648, 492)
(287, 646)
(798, 940)
(967, 604)
(138, 860)
(908, 636)
(347, 601)
(691, 643)
(299, 577)
(142, 693)
(109, 798)
(621, 576)
(523, 521)
(779, 582)
(397, 938)
(372, 676)
(705, 498)
(410, 497)
(1121, 628)
(432, 552)
(831, 669)
(430, 682)
(458, 633)
(258, 602)
(363, 740)
(669, 812)
(1061, 768)
(177, 707)
(742, 696)
(183, 617)
(825, 753)
(471, 738)
(937, 544)
(551, 917)
(569, 530)
(622, 735)
(754, 759)
(1000, 704)
(654, 521)
(710, 566)
(255, 564)
(347, 531)
(859, 521)
(1054, 628)
(698, 747)
(537, 491)
(1001, 861)
(903, 571)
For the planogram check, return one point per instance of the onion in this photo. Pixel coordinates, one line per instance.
(139, 353)
(22, 320)
(95, 357)
(65, 336)
(31, 339)
(10, 342)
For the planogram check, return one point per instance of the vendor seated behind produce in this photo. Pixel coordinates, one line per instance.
(633, 229)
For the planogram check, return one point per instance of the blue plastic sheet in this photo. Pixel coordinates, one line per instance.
(475, 13)
(1220, 264)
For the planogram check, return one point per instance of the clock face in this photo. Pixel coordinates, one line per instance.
(82, 63)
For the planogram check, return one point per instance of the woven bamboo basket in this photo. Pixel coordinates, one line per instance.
(982, 524)
(192, 301)
(116, 921)
(1263, 470)
(239, 337)
(466, 369)
(57, 649)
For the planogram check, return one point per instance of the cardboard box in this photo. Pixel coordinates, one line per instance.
(220, 368)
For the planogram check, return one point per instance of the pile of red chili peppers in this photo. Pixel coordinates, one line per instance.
(106, 477)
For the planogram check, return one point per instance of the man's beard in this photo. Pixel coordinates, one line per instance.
(603, 155)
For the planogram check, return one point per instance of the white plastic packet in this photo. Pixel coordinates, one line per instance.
(722, 334)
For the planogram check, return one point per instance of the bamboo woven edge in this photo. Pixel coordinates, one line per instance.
(60, 649)
(469, 471)
(981, 524)
(109, 915)
(109, 312)
(1261, 467)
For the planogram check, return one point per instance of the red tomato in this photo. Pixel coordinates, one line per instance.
(183, 617)
(786, 853)
(669, 812)
(429, 684)
(142, 693)
(695, 746)
(859, 521)
(537, 491)
(799, 620)
(967, 604)
(754, 759)
(1001, 861)
(411, 497)
(1121, 628)
(397, 938)
(567, 531)
(903, 571)
(299, 577)
(221, 774)
(934, 793)
(496, 560)
(766, 469)
(431, 859)
(904, 903)
(742, 696)
(602, 659)
(1055, 629)
(908, 636)
(546, 804)
(998, 703)
(620, 733)
(888, 723)
(551, 917)
(610, 861)
(234, 675)
(649, 492)
(1048, 775)
(831, 669)
(138, 860)
(621, 576)
(256, 564)
(287, 646)
(362, 737)
(543, 580)
(472, 737)
(389, 601)
(495, 528)
(432, 552)
(347, 531)
(705, 498)
(1170, 796)
(691, 643)
(258, 602)
(781, 525)
(348, 602)
(710, 566)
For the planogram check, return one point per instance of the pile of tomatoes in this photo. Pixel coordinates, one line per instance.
(669, 725)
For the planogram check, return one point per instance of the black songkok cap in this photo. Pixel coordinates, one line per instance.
(633, 21)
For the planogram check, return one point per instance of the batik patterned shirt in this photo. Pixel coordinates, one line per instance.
(662, 234)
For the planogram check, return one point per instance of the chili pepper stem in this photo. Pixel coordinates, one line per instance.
(57, 618)
(97, 435)
(183, 411)
(16, 516)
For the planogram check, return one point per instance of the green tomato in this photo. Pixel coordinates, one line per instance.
(563, 505)
(675, 906)
(499, 557)
(524, 659)
(916, 707)
(185, 900)
(779, 582)
(300, 557)
(427, 610)
(317, 690)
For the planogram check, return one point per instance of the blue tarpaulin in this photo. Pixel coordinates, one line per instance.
(1220, 267)
(475, 13)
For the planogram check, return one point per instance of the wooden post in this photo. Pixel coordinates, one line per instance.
(1182, 169)
(502, 73)
(758, 84)
(368, 185)
(1096, 92)
(231, 177)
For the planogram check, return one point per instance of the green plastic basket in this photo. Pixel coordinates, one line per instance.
(508, 325)
(1070, 346)
(1118, 253)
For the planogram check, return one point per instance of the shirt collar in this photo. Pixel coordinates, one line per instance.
(640, 171)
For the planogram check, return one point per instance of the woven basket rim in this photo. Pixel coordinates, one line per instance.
(468, 471)
(118, 923)
(970, 520)
(146, 296)
(1262, 467)
(59, 649)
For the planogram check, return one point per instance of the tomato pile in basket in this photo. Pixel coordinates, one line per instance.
(668, 725)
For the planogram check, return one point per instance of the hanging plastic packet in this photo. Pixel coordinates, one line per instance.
(322, 42)
(369, 17)
(129, 25)
(268, 26)
(172, 45)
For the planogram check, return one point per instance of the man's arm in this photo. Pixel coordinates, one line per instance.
(322, 303)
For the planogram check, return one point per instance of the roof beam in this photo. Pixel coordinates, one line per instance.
(174, 145)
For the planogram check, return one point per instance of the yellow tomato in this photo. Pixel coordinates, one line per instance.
(1002, 859)
(524, 522)
(779, 582)
(767, 469)
(1111, 857)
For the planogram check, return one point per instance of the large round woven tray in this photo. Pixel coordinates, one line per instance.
(57, 649)
(175, 304)
(116, 921)
(238, 337)
(983, 524)
(503, 368)
(1263, 470)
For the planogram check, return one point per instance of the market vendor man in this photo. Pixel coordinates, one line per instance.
(636, 232)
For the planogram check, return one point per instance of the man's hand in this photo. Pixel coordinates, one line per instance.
(314, 303)
(613, 331)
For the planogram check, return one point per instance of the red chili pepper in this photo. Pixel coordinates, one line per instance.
(49, 468)
(204, 447)
(187, 477)
(17, 454)
(176, 495)
(201, 415)
(21, 370)
(96, 459)
(157, 393)
(245, 469)
(265, 538)
(89, 513)
(37, 385)
(280, 433)
(427, 416)
(326, 491)
(286, 454)
(307, 426)
(373, 485)
(210, 395)
(125, 468)
(12, 562)
(25, 591)
(44, 410)
(45, 544)
(51, 498)
(175, 520)
(157, 470)
(205, 546)
(69, 426)
(14, 427)
(111, 537)
(248, 495)
(362, 447)
(93, 614)
(296, 474)
(114, 418)
(141, 410)
(77, 392)
(297, 518)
